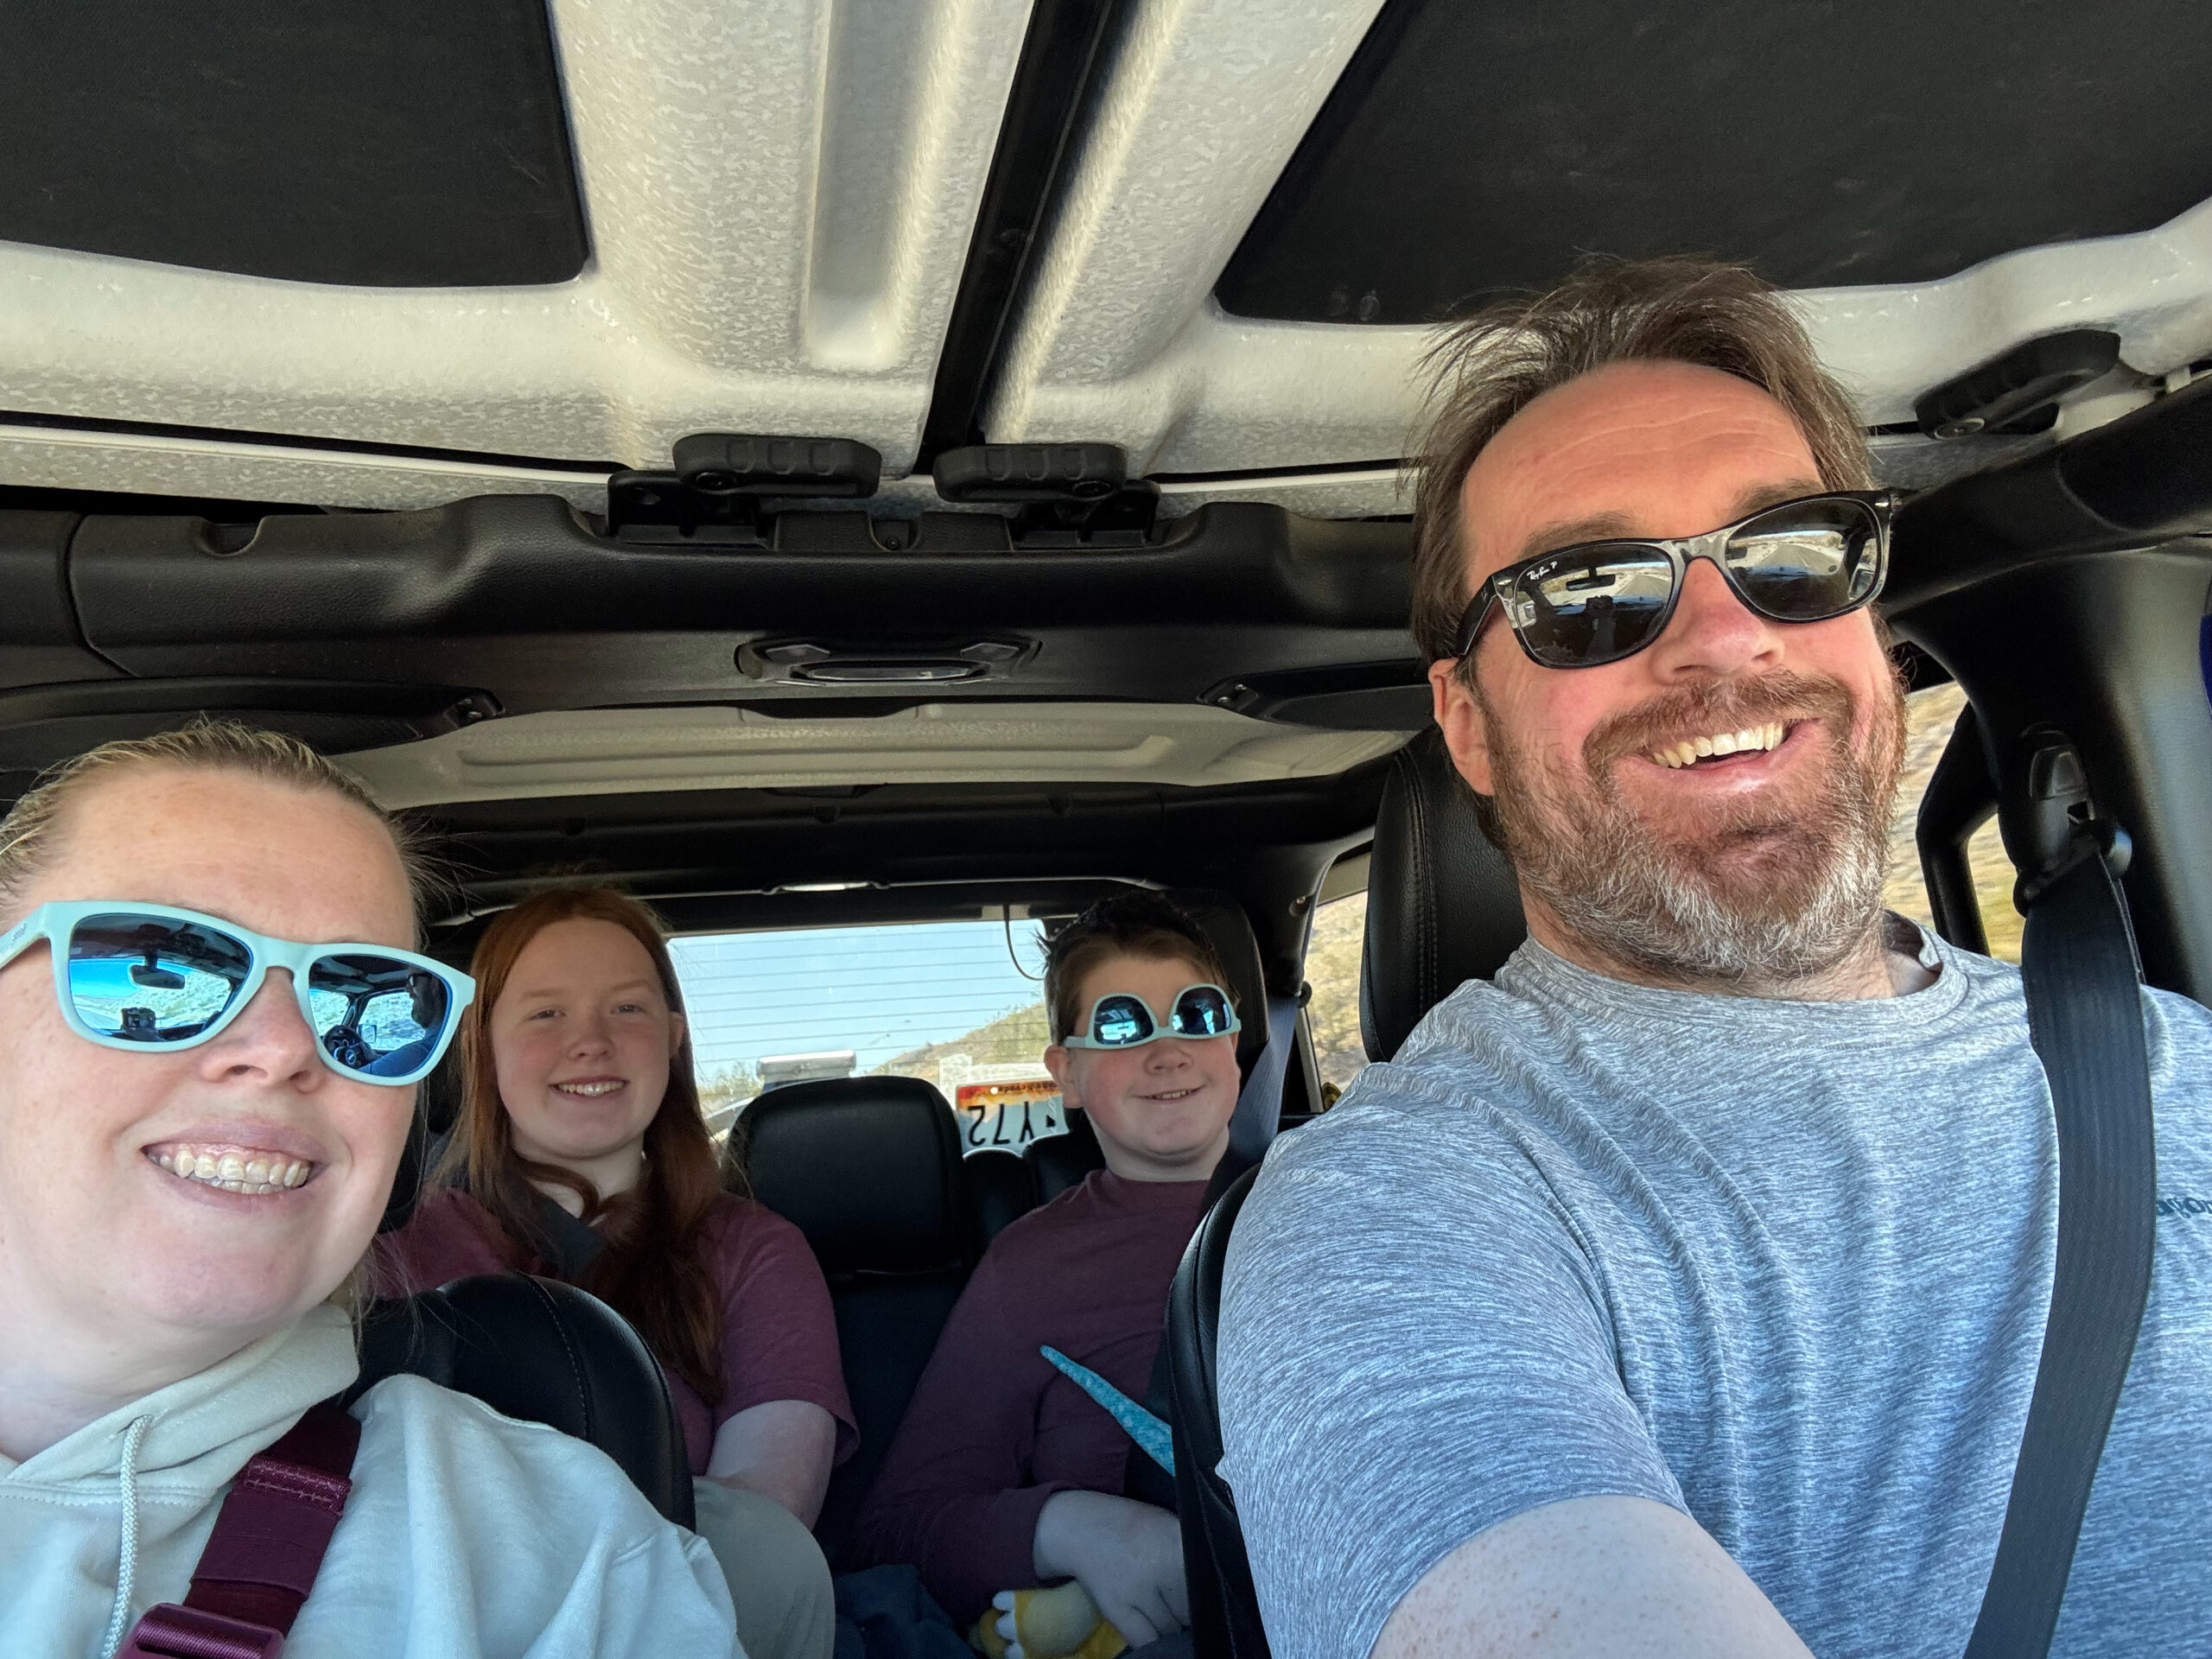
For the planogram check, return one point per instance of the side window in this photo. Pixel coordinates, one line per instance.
(1332, 970)
(959, 1005)
(1930, 716)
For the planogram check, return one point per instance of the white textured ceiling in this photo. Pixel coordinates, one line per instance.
(779, 195)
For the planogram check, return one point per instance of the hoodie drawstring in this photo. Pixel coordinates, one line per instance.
(119, 1621)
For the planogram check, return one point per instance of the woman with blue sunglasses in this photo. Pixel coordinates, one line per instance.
(212, 1021)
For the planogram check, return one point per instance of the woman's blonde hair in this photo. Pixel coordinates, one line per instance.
(29, 835)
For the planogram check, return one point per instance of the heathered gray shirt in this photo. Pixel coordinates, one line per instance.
(1783, 1266)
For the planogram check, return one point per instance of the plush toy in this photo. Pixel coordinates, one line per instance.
(1061, 1622)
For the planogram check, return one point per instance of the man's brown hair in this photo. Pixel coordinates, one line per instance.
(1491, 364)
(1137, 923)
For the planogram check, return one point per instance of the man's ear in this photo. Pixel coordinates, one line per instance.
(1460, 719)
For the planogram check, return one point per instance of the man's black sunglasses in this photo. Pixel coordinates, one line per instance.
(1804, 561)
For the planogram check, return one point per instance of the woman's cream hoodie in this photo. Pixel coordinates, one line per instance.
(466, 1533)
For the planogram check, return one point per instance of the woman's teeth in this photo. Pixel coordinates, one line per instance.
(590, 1090)
(234, 1172)
(1691, 750)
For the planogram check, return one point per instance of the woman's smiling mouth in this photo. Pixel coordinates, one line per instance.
(250, 1171)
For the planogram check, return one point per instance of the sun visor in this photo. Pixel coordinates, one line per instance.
(1266, 216)
(681, 216)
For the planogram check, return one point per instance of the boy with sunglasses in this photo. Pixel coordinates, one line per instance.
(1005, 1473)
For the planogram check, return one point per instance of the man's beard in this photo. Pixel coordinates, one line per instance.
(1763, 895)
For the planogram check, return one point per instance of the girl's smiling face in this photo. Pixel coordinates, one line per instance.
(582, 1037)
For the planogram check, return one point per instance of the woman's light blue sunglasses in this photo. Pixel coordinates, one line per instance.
(143, 976)
(1119, 1019)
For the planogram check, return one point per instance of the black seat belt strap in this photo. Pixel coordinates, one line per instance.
(2085, 1017)
(1251, 1130)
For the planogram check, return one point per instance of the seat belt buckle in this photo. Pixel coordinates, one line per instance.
(171, 1631)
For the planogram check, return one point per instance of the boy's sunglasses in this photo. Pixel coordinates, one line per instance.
(150, 976)
(1120, 1020)
(1805, 561)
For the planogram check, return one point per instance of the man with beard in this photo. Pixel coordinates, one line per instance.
(1681, 1290)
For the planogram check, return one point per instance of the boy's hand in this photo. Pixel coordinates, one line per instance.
(1129, 1556)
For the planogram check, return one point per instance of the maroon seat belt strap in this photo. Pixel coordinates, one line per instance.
(261, 1561)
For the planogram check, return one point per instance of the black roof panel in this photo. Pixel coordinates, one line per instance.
(405, 144)
(1478, 144)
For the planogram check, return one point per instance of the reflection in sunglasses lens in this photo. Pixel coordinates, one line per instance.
(1593, 608)
(376, 1015)
(1201, 1013)
(146, 979)
(1121, 1019)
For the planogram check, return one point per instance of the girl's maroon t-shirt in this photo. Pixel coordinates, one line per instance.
(779, 1336)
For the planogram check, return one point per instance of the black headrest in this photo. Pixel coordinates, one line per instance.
(868, 1168)
(545, 1352)
(1060, 1161)
(1442, 905)
(1229, 930)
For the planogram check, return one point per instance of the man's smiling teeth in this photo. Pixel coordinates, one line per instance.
(593, 1089)
(234, 1172)
(1693, 749)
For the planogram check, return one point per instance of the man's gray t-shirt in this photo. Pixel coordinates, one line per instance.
(1782, 1265)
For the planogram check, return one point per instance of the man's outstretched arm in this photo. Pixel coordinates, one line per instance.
(1590, 1575)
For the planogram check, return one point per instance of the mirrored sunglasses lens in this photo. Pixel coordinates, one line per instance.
(1808, 561)
(151, 979)
(378, 1015)
(1598, 605)
(1202, 1011)
(1120, 1020)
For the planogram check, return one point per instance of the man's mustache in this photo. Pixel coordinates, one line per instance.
(1716, 706)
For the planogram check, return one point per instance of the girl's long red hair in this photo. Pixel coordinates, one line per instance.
(653, 1270)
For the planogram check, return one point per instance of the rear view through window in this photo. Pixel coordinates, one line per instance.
(959, 1005)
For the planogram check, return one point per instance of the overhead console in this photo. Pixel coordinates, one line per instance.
(499, 607)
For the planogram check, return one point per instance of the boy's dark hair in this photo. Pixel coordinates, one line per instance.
(1136, 923)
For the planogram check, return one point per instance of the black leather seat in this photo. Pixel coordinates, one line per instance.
(545, 1352)
(1000, 1189)
(868, 1168)
(1060, 1161)
(1442, 908)
(1442, 905)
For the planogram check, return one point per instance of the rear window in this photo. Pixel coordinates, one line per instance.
(959, 1005)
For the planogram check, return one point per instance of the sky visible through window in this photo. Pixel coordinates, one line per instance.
(882, 992)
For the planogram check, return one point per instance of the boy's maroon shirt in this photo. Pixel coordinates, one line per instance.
(995, 1430)
(779, 1333)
